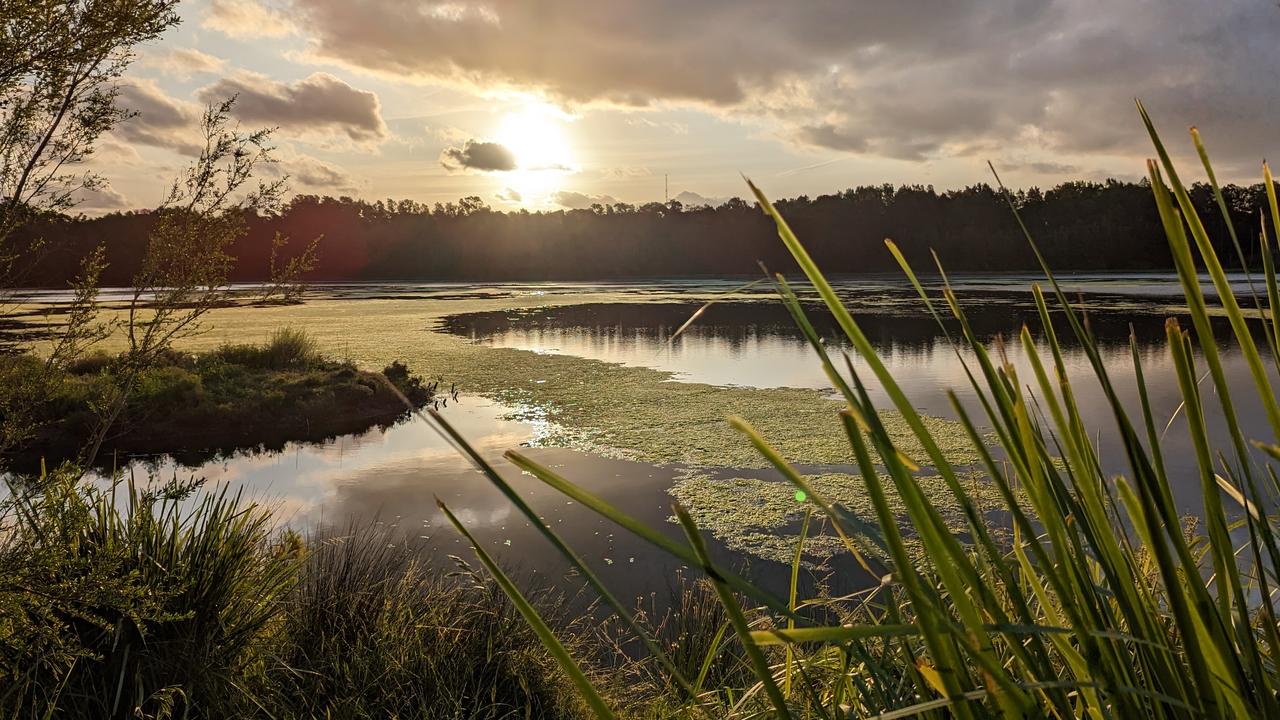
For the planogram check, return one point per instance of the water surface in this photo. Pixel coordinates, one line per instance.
(394, 476)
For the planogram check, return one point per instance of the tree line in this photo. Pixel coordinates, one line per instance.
(1111, 225)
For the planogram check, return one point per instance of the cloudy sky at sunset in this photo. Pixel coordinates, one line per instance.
(544, 104)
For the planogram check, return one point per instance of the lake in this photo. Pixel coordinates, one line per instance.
(587, 379)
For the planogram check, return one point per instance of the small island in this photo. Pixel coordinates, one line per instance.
(236, 397)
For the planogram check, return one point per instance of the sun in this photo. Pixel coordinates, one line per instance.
(536, 135)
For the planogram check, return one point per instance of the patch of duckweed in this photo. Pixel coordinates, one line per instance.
(760, 517)
(628, 412)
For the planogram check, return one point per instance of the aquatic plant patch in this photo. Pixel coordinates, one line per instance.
(760, 517)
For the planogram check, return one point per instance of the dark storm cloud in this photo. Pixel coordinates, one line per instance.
(911, 79)
(319, 102)
(479, 155)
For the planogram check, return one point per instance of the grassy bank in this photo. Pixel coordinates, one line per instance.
(232, 397)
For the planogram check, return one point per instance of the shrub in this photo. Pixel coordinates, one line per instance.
(164, 389)
(411, 385)
(182, 602)
(91, 364)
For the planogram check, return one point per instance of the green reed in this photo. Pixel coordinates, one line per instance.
(1100, 601)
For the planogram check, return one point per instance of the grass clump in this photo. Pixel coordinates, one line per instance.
(111, 607)
(288, 348)
(184, 602)
(373, 630)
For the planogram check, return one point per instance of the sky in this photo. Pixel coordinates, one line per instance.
(549, 104)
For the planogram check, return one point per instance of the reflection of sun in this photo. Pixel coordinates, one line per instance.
(535, 135)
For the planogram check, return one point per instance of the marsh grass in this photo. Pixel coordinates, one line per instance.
(376, 628)
(1102, 603)
(184, 601)
(132, 601)
(288, 348)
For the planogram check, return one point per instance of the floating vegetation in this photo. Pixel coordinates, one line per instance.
(761, 517)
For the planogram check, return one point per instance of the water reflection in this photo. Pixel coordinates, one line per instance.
(394, 476)
(756, 344)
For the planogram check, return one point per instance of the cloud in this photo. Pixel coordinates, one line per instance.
(574, 200)
(479, 155)
(99, 200)
(1044, 167)
(509, 195)
(912, 80)
(447, 133)
(626, 171)
(675, 128)
(160, 120)
(246, 19)
(309, 173)
(319, 102)
(183, 63)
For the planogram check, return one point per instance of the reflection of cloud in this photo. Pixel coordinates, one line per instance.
(374, 473)
(473, 518)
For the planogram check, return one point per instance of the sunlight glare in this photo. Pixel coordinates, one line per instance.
(544, 157)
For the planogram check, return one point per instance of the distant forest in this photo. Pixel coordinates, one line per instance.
(1078, 225)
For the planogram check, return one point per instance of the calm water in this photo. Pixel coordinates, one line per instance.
(394, 476)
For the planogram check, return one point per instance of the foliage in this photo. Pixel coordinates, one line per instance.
(184, 268)
(1103, 603)
(115, 601)
(1111, 225)
(373, 630)
(284, 275)
(184, 602)
(59, 66)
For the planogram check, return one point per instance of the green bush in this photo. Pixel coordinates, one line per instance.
(413, 386)
(93, 363)
(168, 388)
